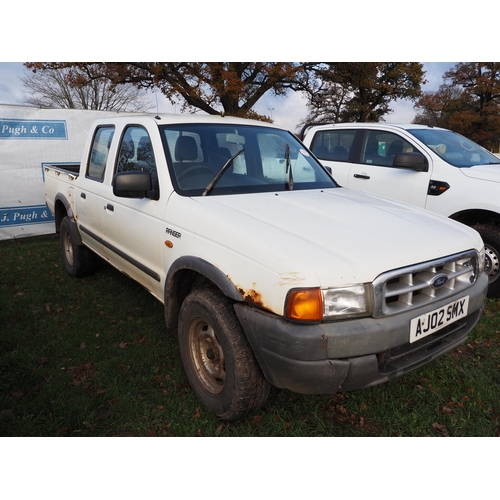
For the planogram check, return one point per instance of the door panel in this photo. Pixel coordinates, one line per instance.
(91, 192)
(335, 149)
(133, 228)
(374, 173)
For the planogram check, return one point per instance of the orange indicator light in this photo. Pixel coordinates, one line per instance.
(305, 305)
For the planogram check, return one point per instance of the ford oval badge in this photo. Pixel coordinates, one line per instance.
(439, 281)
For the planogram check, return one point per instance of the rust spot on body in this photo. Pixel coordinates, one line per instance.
(253, 298)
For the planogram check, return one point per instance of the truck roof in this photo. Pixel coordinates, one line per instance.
(388, 126)
(169, 118)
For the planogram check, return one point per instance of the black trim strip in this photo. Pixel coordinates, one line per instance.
(123, 255)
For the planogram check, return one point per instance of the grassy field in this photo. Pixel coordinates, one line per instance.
(92, 357)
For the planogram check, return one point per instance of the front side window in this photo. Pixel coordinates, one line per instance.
(380, 148)
(257, 159)
(136, 153)
(454, 148)
(99, 152)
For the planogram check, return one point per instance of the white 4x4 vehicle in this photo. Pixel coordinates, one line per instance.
(430, 167)
(260, 259)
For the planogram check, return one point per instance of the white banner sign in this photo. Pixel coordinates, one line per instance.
(30, 138)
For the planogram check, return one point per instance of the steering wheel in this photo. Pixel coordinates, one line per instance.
(195, 168)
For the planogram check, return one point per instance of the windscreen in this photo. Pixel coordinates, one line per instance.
(209, 159)
(454, 148)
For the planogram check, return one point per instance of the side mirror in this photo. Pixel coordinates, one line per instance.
(134, 184)
(411, 161)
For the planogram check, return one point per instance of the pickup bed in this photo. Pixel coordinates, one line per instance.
(270, 274)
(429, 167)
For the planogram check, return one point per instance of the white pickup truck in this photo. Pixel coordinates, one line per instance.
(429, 167)
(269, 272)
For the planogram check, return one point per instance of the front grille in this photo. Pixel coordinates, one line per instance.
(416, 286)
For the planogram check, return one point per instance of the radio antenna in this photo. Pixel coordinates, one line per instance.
(157, 117)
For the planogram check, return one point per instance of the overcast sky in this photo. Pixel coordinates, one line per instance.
(285, 111)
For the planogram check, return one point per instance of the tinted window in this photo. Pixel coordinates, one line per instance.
(333, 145)
(380, 148)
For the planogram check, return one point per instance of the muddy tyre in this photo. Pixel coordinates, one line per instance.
(491, 238)
(78, 260)
(217, 358)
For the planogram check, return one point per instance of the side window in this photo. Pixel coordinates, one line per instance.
(136, 154)
(380, 148)
(136, 151)
(333, 145)
(99, 152)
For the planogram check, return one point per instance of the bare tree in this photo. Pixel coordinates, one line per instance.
(53, 88)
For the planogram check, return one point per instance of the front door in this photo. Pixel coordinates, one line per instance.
(374, 172)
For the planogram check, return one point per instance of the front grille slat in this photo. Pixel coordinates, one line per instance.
(411, 287)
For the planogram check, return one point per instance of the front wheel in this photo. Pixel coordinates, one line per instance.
(491, 238)
(217, 358)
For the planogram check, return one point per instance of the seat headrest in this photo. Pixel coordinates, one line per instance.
(186, 148)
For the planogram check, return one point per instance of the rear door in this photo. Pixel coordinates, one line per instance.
(91, 191)
(336, 149)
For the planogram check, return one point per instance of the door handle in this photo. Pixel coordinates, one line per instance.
(109, 207)
(83, 195)
(361, 176)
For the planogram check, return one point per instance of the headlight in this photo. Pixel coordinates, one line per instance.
(347, 302)
(315, 304)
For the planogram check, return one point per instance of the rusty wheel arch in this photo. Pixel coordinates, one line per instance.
(187, 273)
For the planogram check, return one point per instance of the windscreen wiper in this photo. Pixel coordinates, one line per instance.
(288, 168)
(220, 173)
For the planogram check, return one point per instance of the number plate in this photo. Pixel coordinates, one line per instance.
(433, 321)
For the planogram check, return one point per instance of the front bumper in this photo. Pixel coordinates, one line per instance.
(332, 357)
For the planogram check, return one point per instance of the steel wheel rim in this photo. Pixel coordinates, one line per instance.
(68, 248)
(492, 265)
(207, 356)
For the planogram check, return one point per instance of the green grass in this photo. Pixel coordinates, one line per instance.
(92, 357)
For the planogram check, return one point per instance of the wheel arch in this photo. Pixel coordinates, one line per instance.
(186, 273)
(62, 208)
(476, 216)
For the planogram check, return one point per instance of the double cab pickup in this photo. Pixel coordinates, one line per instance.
(269, 272)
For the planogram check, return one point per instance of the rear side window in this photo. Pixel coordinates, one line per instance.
(333, 145)
(99, 152)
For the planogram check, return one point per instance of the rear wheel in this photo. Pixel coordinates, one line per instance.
(78, 260)
(217, 358)
(491, 238)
